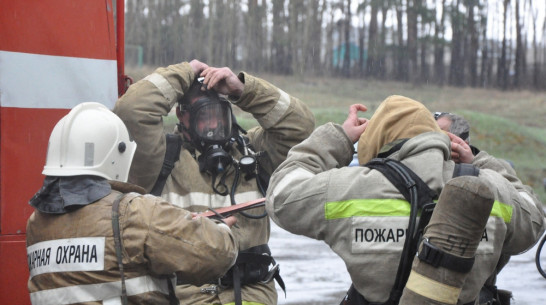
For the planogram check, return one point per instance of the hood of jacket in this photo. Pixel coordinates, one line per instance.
(396, 118)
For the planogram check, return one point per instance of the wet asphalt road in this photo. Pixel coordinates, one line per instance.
(314, 275)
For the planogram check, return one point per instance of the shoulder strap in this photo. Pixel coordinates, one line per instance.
(172, 154)
(388, 167)
(465, 169)
(418, 194)
(117, 243)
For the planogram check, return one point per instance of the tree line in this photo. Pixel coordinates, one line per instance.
(477, 43)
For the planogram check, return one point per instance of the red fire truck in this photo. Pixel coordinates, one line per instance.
(53, 55)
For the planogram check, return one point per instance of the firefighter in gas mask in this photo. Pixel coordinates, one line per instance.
(207, 122)
(216, 163)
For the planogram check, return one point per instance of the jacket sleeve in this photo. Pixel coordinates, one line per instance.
(284, 120)
(299, 188)
(142, 109)
(167, 240)
(522, 211)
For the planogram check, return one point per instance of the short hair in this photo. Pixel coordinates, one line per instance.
(459, 126)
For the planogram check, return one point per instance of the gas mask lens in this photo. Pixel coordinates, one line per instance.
(212, 121)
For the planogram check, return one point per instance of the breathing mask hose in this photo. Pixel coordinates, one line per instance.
(537, 257)
(232, 196)
(446, 254)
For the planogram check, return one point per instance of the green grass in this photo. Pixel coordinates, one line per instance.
(509, 125)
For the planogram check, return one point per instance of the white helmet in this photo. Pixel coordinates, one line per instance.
(90, 140)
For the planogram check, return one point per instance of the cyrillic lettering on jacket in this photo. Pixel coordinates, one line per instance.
(487, 242)
(64, 255)
(378, 234)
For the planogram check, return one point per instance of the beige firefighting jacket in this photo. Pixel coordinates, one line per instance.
(364, 218)
(72, 256)
(284, 121)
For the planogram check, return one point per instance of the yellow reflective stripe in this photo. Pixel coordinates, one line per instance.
(246, 303)
(432, 289)
(502, 210)
(366, 207)
(391, 207)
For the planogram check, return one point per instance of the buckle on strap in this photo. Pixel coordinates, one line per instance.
(213, 289)
(271, 274)
(436, 257)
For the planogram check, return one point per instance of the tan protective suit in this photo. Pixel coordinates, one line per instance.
(284, 121)
(72, 256)
(362, 216)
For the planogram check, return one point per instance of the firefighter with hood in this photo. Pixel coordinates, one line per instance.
(217, 163)
(95, 239)
(482, 216)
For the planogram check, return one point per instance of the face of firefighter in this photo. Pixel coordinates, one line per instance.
(206, 121)
(210, 123)
(444, 123)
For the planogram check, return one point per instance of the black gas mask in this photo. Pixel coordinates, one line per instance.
(211, 125)
(214, 132)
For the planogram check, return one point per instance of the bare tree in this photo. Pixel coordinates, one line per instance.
(471, 46)
(536, 60)
(519, 60)
(486, 63)
(361, 11)
(439, 46)
(372, 63)
(329, 53)
(296, 9)
(316, 36)
(230, 41)
(401, 58)
(312, 36)
(412, 11)
(427, 17)
(254, 43)
(281, 58)
(502, 71)
(456, 67)
(346, 70)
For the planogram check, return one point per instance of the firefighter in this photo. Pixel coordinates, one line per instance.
(364, 217)
(217, 163)
(95, 239)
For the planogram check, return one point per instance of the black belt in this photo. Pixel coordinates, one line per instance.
(353, 297)
(251, 266)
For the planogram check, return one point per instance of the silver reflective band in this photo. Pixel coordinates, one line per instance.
(163, 85)
(98, 292)
(210, 200)
(275, 114)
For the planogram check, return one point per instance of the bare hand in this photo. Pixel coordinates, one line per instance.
(197, 67)
(460, 150)
(223, 81)
(353, 125)
(230, 221)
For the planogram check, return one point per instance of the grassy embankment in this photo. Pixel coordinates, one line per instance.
(509, 125)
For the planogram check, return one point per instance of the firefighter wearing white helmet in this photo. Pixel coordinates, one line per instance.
(96, 239)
